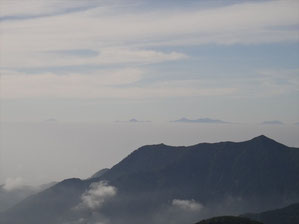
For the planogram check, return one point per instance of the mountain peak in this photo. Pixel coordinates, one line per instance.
(262, 137)
(264, 140)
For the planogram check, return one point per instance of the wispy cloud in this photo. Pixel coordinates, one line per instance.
(269, 83)
(104, 56)
(102, 33)
(19, 10)
(188, 205)
(99, 28)
(101, 84)
(127, 83)
(282, 80)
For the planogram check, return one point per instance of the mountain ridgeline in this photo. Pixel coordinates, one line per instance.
(286, 215)
(229, 220)
(161, 184)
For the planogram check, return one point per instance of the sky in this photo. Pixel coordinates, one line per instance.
(70, 68)
(101, 60)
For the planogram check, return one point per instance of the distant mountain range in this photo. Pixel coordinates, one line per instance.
(133, 120)
(201, 120)
(158, 184)
(272, 122)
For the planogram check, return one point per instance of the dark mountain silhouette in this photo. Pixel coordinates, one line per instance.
(205, 179)
(201, 120)
(286, 215)
(229, 220)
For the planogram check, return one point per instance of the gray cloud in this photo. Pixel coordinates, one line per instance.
(13, 184)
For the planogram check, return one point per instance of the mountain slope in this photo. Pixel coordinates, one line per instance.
(99, 173)
(47, 206)
(216, 179)
(10, 197)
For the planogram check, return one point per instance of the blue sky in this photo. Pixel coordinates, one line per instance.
(102, 60)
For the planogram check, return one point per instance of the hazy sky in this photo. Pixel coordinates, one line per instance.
(89, 62)
(99, 60)
(37, 153)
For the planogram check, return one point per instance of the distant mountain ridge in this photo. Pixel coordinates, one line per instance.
(275, 122)
(133, 120)
(100, 173)
(286, 215)
(201, 120)
(229, 220)
(216, 178)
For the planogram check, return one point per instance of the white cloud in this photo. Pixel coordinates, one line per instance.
(13, 184)
(95, 197)
(106, 56)
(187, 205)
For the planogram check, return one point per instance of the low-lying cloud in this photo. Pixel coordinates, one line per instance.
(187, 205)
(97, 194)
(89, 209)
